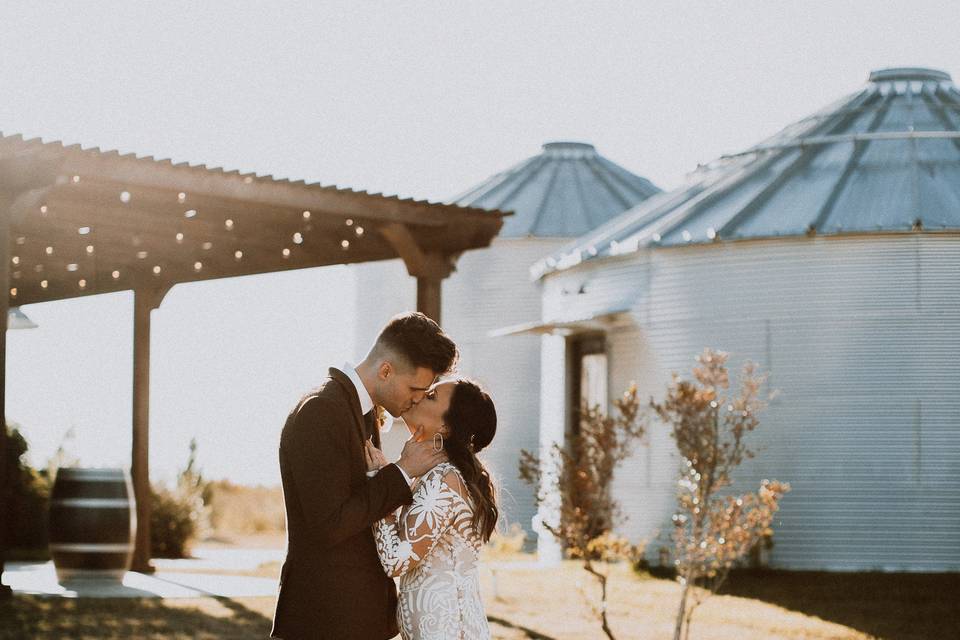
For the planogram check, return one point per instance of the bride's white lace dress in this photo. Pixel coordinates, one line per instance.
(432, 546)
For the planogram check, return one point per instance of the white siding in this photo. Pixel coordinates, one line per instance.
(861, 335)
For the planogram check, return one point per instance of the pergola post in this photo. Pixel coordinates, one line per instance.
(429, 297)
(5, 210)
(429, 268)
(145, 300)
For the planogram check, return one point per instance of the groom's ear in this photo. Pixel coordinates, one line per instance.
(384, 370)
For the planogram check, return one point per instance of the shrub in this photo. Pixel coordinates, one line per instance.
(175, 520)
(580, 474)
(28, 498)
(714, 528)
(178, 515)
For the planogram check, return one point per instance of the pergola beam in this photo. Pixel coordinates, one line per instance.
(131, 173)
(429, 268)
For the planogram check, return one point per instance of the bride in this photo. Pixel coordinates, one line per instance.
(433, 543)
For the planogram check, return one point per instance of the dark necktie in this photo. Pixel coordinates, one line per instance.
(368, 423)
(371, 427)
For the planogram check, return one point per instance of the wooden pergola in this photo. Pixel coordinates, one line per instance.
(77, 222)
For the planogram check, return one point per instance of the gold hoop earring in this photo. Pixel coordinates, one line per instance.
(435, 447)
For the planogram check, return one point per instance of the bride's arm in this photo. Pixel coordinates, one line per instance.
(403, 542)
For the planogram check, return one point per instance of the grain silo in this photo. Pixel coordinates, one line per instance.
(830, 255)
(562, 193)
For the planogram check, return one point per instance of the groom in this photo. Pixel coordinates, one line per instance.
(331, 583)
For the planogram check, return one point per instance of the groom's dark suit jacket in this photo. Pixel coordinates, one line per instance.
(331, 583)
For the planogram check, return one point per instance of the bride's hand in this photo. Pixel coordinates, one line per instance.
(374, 457)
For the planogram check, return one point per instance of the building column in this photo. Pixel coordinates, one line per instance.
(554, 415)
(144, 302)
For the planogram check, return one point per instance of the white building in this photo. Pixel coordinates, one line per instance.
(830, 255)
(562, 193)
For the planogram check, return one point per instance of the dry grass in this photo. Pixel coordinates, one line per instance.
(241, 510)
(549, 604)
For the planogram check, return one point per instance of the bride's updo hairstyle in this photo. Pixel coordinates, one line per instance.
(472, 420)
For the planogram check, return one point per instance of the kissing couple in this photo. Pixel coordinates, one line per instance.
(356, 521)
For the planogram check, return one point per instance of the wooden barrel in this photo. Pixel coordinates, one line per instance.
(93, 521)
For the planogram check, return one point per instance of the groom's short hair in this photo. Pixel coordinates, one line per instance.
(419, 341)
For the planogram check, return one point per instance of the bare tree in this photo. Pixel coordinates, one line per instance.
(714, 528)
(581, 475)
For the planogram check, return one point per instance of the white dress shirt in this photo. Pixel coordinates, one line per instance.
(366, 406)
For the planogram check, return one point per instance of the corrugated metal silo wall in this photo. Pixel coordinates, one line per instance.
(861, 335)
(490, 289)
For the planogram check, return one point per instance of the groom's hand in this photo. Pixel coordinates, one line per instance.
(419, 457)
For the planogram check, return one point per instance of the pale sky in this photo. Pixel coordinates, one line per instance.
(419, 98)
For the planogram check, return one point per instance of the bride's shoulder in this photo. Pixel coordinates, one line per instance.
(445, 472)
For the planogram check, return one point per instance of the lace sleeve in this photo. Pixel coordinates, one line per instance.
(403, 542)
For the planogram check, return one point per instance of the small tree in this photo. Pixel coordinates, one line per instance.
(712, 531)
(581, 475)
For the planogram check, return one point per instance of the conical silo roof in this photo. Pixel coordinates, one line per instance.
(885, 159)
(564, 192)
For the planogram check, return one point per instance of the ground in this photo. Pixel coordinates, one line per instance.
(526, 602)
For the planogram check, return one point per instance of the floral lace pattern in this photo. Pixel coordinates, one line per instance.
(432, 547)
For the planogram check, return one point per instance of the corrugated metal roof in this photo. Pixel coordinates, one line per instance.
(884, 159)
(564, 192)
(13, 144)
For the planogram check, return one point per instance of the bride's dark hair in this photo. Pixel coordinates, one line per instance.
(472, 420)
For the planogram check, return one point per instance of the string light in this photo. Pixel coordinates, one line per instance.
(286, 252)
(142, 254)
(83, 230)
(72, 266)
(43, 283)
(116, 275)
(82, 283)
(349, 222)
(156, 270)
(306, 215)
(43, 209)
(345, 244)
(13, 292)
(359, 231)
(298, 238)
(179, 237)
(21, 240)
(228, 224)
(207, 246)
(49, 251)
(16, 259)
(124, 197)
(181, 197)
(16, 275)
(38, 268)
(247, 180)
(238, 254)
(89, 248)
(197, 266)
(76, 179)
(189, 213)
